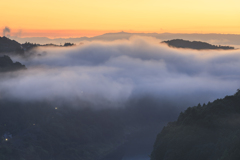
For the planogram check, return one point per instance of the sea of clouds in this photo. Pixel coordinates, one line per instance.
(119, 70)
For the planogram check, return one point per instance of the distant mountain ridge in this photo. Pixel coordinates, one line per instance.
(222, 39)
(180, 43)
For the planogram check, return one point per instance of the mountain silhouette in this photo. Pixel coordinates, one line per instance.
(6, 64)
(7, 45)
(12, 47)
(180, 43)
(209, 132)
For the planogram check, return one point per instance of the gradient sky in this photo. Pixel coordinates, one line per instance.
(94, 17)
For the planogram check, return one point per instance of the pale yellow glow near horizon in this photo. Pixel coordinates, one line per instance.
(174, 16)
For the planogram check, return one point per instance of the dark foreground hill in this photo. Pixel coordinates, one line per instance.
(207, 132)
(180, 43)
(6, 64)
(10, 46)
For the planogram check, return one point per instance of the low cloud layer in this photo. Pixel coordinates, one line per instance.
(119, 70)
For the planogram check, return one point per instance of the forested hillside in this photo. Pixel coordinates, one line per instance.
(202, 132)
(10, 46)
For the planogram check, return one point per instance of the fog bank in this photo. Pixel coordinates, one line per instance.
(117, 71)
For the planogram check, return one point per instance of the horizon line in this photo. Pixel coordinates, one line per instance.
(19, 33)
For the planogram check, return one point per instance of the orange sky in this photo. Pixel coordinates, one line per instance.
(75, 18)
(64, 33)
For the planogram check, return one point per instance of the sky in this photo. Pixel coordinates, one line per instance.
(74, 18)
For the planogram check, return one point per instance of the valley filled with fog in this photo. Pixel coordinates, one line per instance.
(142, 81)
(116, 71)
